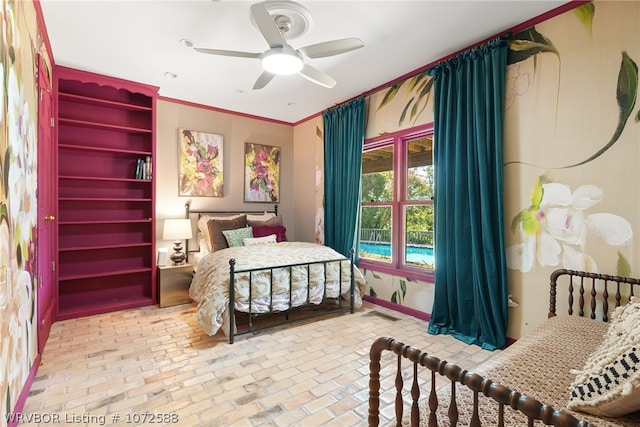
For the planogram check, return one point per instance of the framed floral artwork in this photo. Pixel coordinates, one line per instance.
(261, 173)
(200, 170)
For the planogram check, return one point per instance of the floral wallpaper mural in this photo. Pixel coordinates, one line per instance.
(417, 95)
(201, 166)
(18, 203)
(556, 225)
(572, 126)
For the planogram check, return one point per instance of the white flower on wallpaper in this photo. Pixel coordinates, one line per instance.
(556, 225)
(18, 206)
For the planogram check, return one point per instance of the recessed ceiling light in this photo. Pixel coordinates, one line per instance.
(186, 43)
(170, 75)
(291, 104)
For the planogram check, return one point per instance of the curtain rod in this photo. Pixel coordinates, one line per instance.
(504, 36)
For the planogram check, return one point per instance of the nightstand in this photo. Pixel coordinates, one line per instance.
(173, 284)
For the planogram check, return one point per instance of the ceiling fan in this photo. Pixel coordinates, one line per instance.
(281, 58)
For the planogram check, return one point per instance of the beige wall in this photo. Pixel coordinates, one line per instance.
(236, 130)
(307, 138)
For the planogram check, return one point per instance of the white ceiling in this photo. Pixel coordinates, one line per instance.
(139, 40)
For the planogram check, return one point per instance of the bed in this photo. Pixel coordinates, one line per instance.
(245, 270)
(576, 369)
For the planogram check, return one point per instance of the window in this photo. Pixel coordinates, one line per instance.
(396, 224)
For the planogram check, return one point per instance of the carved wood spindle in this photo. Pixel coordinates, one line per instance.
(570, 295)
(399, 386)
(605, 302)
(552, 296)
(454, 414)
(433, 402)
(593, 298)
(415, 396)
(581, 312)
(374, 381)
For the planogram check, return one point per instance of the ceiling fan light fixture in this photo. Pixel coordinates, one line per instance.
(282, 61)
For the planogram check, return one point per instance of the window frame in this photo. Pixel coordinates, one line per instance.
(397, 266)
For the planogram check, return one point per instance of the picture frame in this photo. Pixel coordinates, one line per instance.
(200, 164)
(261, 173)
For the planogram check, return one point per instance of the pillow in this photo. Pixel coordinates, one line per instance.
(204, 240)
(216, 226)
(250, 241)
(262, 217)
(235, 237)
(265, 230)
(276, 220)
(609, 383)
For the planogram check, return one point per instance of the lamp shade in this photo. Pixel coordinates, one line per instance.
(177, 229)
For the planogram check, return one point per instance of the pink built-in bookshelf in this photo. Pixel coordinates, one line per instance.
(106, 225)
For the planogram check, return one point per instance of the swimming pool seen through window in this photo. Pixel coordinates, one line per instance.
(396, 223)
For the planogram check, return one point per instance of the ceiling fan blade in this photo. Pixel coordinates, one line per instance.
(227, 52)
(330, 48)
(262, 81)
(317, 76)
(267, 25)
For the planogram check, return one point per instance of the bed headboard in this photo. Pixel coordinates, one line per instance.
(194, 215)
(597, 294)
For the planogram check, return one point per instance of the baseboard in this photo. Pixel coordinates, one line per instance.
(412, 312)
(398, 307)
(12, 421)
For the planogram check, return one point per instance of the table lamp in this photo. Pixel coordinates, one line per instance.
(177, 230)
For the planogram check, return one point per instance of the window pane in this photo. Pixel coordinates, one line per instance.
(420, 169)
(418, 249)
(377, 175)
(375, 233)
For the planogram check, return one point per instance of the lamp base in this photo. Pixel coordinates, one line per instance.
(177, 257)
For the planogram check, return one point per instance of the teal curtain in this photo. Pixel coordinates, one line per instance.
(343, 140)
(471, 295)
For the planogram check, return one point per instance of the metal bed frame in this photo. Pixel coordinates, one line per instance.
(319, 309)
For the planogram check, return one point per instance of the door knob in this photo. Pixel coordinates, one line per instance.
(49, 217)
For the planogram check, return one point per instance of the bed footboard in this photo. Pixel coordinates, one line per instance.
(458, 377)
(324, 296)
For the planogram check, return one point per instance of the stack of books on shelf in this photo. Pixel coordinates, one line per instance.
(143, 168)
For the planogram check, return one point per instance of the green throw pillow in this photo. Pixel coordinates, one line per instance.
(236, 237)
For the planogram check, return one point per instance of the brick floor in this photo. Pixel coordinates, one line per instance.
(116, 367)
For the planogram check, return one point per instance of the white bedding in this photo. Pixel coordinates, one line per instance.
(210, 285)
(196, 257)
